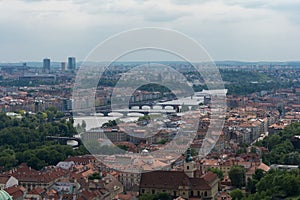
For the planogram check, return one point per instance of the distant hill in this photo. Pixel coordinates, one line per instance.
(218, 63)
(241, 63)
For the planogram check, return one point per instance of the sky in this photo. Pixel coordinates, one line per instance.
(244, 30)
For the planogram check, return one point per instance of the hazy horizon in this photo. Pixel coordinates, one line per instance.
(55, 62)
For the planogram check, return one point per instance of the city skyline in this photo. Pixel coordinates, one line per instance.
(229, 30)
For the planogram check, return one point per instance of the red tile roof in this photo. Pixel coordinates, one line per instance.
(209, 177)
(26, 174)
(15, 192)
(174, 179)
(36, 191)
(4, 179)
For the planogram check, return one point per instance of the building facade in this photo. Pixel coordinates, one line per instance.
(187, 184)
(46, 65)
(71, 63)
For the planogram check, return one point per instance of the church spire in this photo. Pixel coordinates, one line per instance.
(189, 157)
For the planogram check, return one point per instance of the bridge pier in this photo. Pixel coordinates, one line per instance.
(176, 108)
(105, 114)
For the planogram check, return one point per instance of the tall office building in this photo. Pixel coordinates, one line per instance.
(71, 63)
(46, 65)
(63, 66)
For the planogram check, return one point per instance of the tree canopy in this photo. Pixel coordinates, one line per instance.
(277, 184)
(24, 139)
(237, 176)
(281, 148)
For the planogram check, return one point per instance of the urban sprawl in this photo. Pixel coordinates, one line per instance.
(48, 152)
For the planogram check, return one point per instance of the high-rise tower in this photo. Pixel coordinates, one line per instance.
(63, 66)
(71, 63)
(46, 65)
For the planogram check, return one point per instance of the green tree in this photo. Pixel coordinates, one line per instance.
(123, 147)
(146, 196)
(144, 118)
(83, 124)
(292, 158)
(36, 163)
(236, 194)
(24, 140)
(280, 184)
(163, 141)
(253, 150)
(194, 152)
(291, 185)
(259, 173)
(7, 159)
(94, 176)
(250, 186)
(281, 149)
(217, 172)
(162, 196)
(110, 123)
(237, 176)
(241, 150)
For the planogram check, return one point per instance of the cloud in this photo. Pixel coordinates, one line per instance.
(161, 16)
(287, 8)
(229, 29)
(148, 10)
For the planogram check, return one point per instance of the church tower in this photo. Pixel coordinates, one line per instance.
(189, 164)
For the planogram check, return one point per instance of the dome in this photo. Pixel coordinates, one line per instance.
(145, 151)
(189, 157)
(4, 195)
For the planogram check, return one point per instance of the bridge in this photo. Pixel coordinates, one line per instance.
(143, 108)
(147, 107)
(65, 139)
(164, 108)
(125, 112)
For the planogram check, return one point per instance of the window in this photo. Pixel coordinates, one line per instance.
(205, 193)
(153, 191)
(143, 191)
(198, 193)
(174, 193)
(187, 167)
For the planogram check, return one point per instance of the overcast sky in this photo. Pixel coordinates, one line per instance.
(257, 30)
